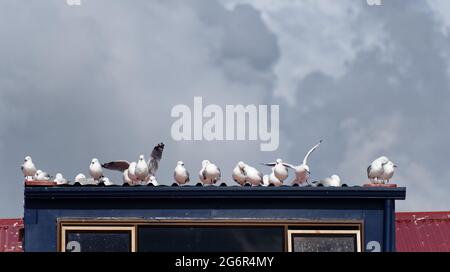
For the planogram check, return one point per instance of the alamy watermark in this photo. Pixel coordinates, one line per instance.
(227, 125)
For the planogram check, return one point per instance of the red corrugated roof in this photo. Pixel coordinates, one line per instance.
(423, 231)
(11, 233)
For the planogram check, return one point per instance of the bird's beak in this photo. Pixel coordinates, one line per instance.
(395, 165)
(308, 172)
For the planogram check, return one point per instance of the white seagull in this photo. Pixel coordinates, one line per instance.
(180, 174)
(239, 174)
(253, 176)
(302, 172)
(152, 180)
(265, 180)
(106, 181)
(333, 181)
(132, 173)
(41, 176)
(280, 169)
(95, 169)
(141, 171)
(375, 169)
(60, 180)
(388, 171)
(81, 179)
(126, 178)
(122, 165)
(28, 168)
(210, 173)
(272, 179)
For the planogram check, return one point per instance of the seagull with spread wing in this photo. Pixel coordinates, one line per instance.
(302, 172)
(279, 168)
(123, 165)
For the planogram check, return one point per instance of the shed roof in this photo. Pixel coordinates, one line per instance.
(11, 232)
(423, 231)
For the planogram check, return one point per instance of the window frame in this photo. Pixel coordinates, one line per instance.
(134, 223)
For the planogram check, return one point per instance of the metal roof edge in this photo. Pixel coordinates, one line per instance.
(139, 192)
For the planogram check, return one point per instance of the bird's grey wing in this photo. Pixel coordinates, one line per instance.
(368, 170)
(220, 172)
(187, 173)
(21, 167)
(155, 157)
(269, 164)
(117, 165)
(305, 160)
(289, 165)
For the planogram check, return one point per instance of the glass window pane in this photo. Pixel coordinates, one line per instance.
(324, 243)
(98, 241)
(211, 238)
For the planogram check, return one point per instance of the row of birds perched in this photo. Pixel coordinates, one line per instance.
(143, 172)
(134, 173)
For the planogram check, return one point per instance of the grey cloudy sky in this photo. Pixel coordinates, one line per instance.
(100, 80)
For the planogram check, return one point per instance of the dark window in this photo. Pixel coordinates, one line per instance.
(211, 238)
(98, 241)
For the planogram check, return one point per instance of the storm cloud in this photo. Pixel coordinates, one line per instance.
(100, 80)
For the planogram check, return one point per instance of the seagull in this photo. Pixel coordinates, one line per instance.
(142, 171)
(132, 173)
(375, 169)
(252, 175)
(81, 179)
(210, 173)
(41, 176)
(180, 174)
(333, 181)
(265, 180)
(106, 181)
(272, 179)
(60, 180)
(126, 178)
(280, 169)
(152, 180)
(122, 165)
(239, 174)
(388, 171)
(28, 168)
(302, 172)
(95, 169)
(155, 157)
